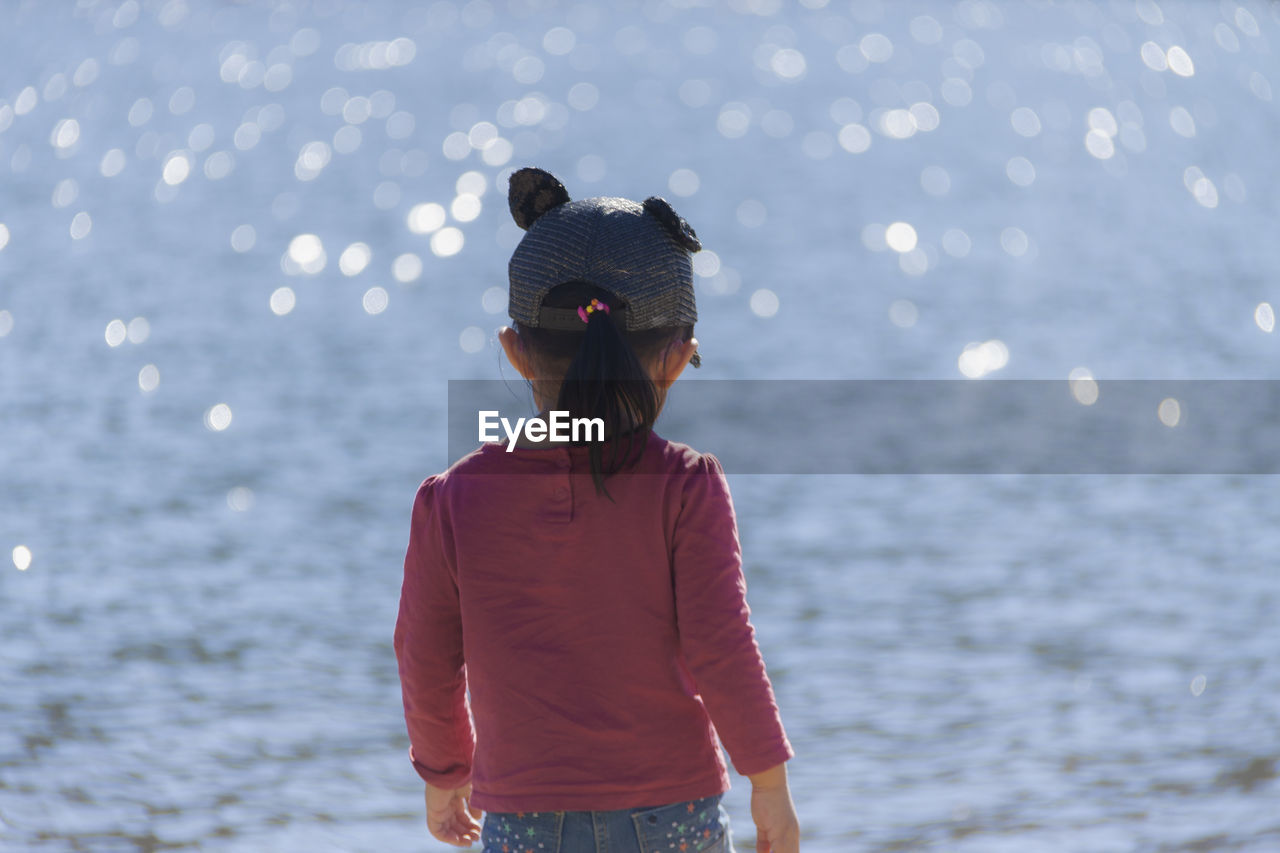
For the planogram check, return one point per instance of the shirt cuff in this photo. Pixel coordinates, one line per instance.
(450, 778)
(759, 762)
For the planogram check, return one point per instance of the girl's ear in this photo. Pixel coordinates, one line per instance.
(513, 346)
(674, 361)
(531, 193)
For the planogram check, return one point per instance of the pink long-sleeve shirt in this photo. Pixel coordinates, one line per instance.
(600, 640)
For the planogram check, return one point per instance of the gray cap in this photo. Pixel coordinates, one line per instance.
(638, 251)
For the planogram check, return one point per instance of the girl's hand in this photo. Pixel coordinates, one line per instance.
(777, 829)
(449, 817)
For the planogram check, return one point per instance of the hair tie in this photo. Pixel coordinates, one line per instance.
(585, 311)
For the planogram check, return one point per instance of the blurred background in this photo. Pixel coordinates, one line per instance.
(243, 247)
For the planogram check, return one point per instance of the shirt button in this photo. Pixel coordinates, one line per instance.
(562, 492)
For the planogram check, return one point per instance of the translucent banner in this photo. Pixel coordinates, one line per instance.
(1079, 426)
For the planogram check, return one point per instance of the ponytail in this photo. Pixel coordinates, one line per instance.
(606, 380)
(605, 377)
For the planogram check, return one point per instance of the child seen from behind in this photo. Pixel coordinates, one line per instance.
(590, 597)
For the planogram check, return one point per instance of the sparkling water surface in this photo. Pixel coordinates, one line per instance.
(243, 247)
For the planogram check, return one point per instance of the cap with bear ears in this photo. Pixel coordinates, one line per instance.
(640, 252)
(534, 191)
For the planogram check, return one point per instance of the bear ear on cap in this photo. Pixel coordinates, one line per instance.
(675, 224)
(531, 193)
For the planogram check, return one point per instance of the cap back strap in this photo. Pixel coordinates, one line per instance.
(569, 320)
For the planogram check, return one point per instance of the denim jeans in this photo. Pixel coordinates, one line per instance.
(697, 826)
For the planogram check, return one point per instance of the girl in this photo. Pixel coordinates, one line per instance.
(590, 597)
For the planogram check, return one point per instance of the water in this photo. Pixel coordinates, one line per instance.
(206, 519)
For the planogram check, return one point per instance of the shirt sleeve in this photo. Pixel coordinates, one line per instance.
(716, 634)
(428, 645)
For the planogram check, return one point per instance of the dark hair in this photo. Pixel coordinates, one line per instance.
(605, 376)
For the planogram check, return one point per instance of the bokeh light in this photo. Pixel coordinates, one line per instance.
(1264, 315)
(1020, 171)
(116, 333)
(583, 96)
(138, 330)
(558, 41)
(148, 378)
(1025, 121)
(240, 499)
(1179, 62)
(446, 242)
(1181, 121)
(243, 238)
(282, 301)
(706, 264)
(900, 237)
(764, 303)
(915, 261)
(979, 359)
(112, 163)
(1084, 388)
(218, 417)
(465, 207)
(426, 218)
(65, 135)
(494, 300)
(683, 182)
(81, 225)
(375, 300)
(1015, 241)
(903, 313)
(876, 47)
(354, 259)
(65, 193)
(307, 252)
(854, 138)
(406, 268)
(472, 339)
(218, 165)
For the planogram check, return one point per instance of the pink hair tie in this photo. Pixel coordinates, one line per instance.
(585, 311)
